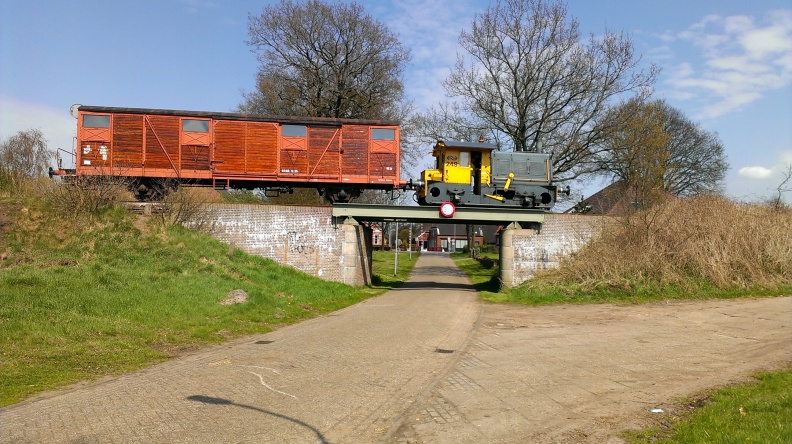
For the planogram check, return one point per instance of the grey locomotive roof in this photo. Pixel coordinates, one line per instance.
(294, 120)
(462, 144)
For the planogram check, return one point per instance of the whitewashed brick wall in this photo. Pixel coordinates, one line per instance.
(561, 235)
(301, 237)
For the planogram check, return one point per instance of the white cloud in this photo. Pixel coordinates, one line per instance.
(431, 31)
(667, 37)
(736, 24)
(755, 172)
(742, 61)
(756, 183)
(762, 43)
(663, 52)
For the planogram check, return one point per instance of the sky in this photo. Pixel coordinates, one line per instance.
(726, 64)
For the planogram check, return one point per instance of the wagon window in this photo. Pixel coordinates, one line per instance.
(195, 126)
(294, 130)
(96, 121)
(383, 134)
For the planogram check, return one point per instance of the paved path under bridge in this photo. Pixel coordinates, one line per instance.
(427, 363)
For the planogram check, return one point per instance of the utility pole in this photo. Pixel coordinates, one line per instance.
(409, 246)
(396, 251)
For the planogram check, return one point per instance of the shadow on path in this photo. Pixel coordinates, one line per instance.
(221, 401)
(431, 285)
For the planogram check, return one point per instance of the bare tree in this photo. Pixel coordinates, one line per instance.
(527, 76)
(634, 148)
(446, 121)
(651, 145)
(324, 59)
(634, 152)
(785, 186)
(697, 160)
(23, 157)
(421, 131)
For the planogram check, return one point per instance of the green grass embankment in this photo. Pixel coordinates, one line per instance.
(82, 300)
(383, 265)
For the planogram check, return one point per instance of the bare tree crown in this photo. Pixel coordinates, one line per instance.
(325, 60)
(652, 144)
(23, 157)
(527, 75)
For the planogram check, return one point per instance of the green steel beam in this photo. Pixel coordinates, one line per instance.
(351, 213)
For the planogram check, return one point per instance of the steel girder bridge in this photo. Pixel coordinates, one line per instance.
(506, 217)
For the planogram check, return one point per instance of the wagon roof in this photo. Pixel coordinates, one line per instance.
(237, 116)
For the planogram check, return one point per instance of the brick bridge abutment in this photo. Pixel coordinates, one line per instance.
(525, 252)
(306, 238)
(301, 237)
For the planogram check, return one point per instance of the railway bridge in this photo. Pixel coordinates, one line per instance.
(514, 221)
(334, 243)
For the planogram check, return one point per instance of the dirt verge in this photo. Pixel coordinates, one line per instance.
(572, 374)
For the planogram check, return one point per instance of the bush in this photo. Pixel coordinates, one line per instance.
(23, 159)
(243, 197)
(486, 262)
(85, 195)
(702, 239)
(188, 206)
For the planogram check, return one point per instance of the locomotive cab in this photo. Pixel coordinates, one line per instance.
(461, 168)
(477, 174)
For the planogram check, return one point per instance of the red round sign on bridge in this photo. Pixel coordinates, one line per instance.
(447, 209)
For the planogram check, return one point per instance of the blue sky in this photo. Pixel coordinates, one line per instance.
(727, 64)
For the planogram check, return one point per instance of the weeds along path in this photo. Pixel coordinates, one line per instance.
(345, 377)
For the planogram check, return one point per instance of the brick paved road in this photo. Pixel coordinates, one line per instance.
(345, 377)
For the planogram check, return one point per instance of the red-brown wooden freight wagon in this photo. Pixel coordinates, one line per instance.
(227, 150)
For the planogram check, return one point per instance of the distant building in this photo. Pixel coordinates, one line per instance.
(453, 237)
(377, 239)
(439, 237)
(614, 200)
(422, 241)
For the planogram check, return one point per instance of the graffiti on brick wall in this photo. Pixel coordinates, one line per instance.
(560, 237)
(296, 242)
(304, 239)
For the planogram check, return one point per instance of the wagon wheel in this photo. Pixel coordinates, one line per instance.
(339, 195)
(154, 190)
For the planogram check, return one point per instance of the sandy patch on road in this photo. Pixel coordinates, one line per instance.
(585, 373)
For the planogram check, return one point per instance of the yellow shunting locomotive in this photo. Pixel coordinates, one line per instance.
(477, 174)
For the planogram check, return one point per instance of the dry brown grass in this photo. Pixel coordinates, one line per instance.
(704, 239)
